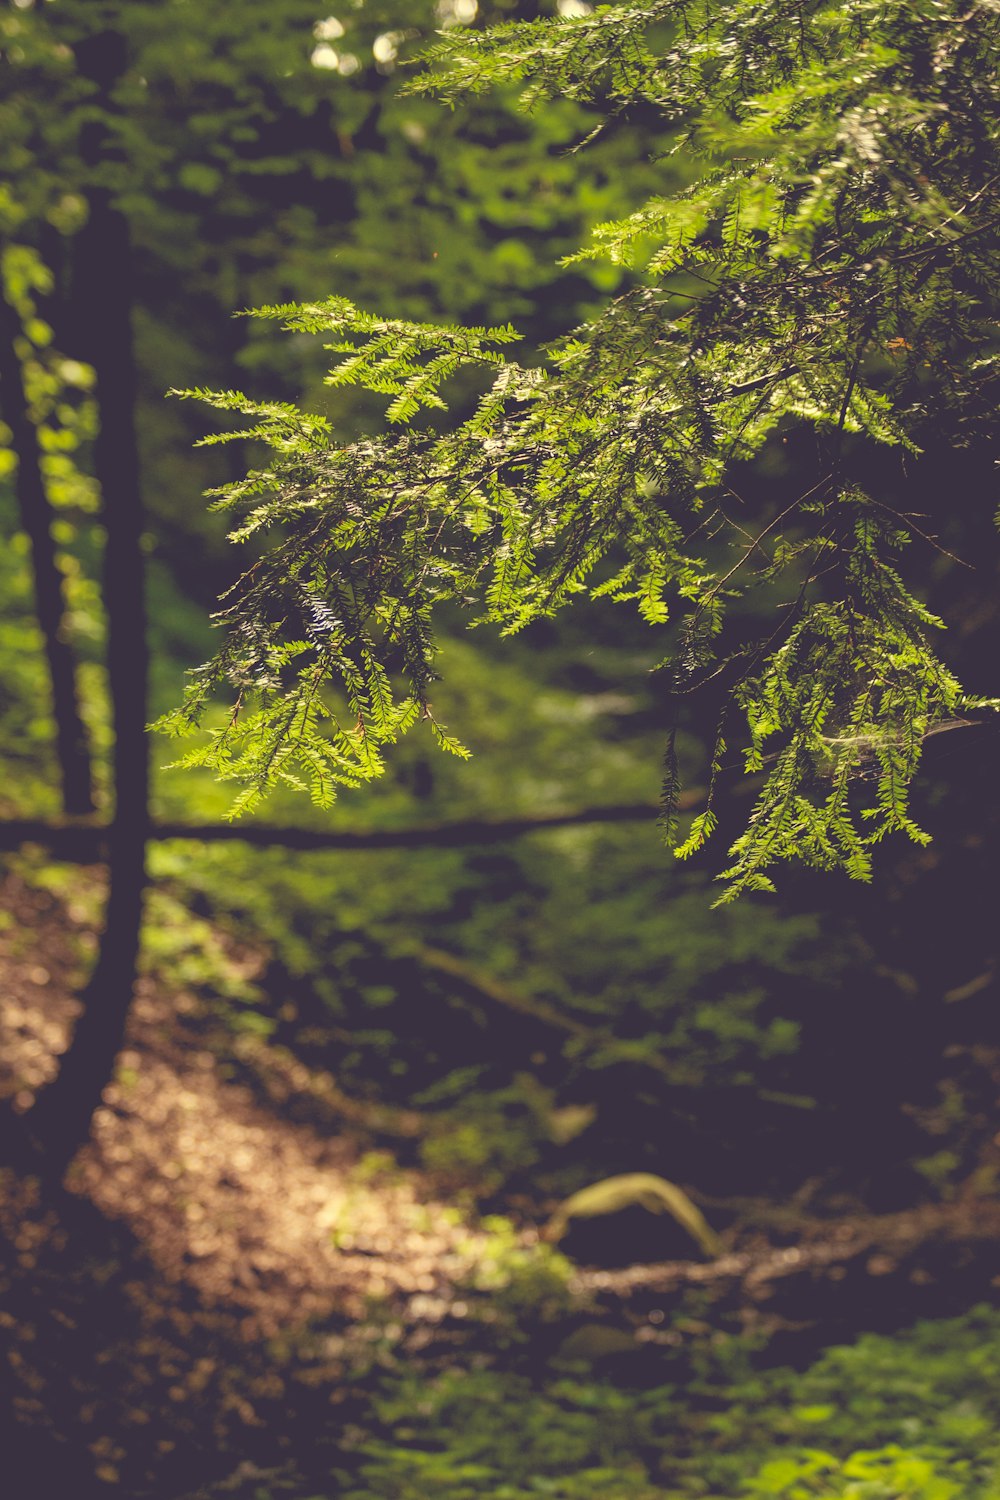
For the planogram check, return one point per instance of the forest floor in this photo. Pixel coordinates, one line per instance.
(218, 1284)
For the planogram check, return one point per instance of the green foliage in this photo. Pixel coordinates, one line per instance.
(832, 253)
(890, 1473)
(684, 1011)
(502, 1437)
(907, 1418)
(26, 727)
(485, 1136)
(59, 391)
(189, 953)
(24, 713)
(523, 1282)
(408, 361)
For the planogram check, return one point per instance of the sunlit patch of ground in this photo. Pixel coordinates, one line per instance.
(254, 1210)
(263, 1214)
(216, 1275)
(40, 951)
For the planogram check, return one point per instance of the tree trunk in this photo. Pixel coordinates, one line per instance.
(72, 746)
(60, 1120)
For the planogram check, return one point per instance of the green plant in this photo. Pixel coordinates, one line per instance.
(522, 1280)
(833, 250)
(890, 1473)
(914, 1417)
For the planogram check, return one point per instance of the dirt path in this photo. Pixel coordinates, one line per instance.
(155, 1312)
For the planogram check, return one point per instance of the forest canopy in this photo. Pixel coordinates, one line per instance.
(822, 281)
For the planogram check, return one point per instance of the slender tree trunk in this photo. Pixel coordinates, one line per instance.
(72, 745)
(60, 1120)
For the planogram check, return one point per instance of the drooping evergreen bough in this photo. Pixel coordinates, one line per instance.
(830, 267)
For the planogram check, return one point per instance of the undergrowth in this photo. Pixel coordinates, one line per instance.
(911, 1417)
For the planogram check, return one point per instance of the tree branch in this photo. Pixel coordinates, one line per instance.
(85, 843)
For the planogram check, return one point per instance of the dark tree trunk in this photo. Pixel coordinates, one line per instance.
(60, 1120)
(72, 746)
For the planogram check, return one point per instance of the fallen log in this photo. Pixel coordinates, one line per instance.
(84, 842)
(843, 1277)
